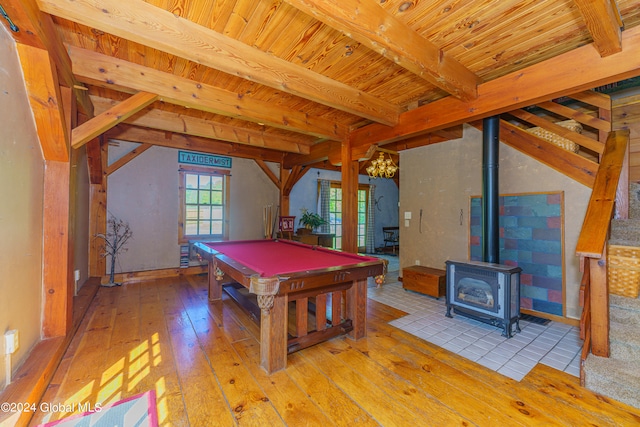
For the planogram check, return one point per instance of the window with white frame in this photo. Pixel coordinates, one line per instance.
(204, 195)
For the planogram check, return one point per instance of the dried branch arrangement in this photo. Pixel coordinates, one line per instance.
(118, 233)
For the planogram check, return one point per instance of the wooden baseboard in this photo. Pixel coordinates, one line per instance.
(138, 276)
(32, 379)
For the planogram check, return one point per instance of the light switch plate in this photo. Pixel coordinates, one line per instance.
(11, 342)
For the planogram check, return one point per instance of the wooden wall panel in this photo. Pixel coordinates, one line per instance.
(626, 115)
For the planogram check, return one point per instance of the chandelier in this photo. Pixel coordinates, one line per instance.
(382, 168)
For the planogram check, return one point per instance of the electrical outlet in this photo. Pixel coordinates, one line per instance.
(11, 341)
(76, 276)
(417, 262)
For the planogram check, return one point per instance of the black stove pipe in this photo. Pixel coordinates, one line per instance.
(490, 191)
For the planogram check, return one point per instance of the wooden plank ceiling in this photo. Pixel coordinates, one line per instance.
(295, 78)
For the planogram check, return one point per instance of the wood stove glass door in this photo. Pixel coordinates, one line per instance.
(477, 293)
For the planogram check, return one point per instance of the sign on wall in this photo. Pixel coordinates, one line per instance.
(200, 159)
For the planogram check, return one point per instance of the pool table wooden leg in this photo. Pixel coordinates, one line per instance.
(273, 335)
(357, 308)
(215, 286)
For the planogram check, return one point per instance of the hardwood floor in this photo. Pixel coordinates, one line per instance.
(203, 361)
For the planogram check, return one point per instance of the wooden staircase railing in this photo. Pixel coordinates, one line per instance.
(585, 319)
(592, 248)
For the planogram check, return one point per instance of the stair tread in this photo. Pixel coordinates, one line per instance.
(625, 317)
(625, 232)
(622, 371)
(619, 375)
(626, 223)
(617, 379)
(624, 302)
(624, 333)
(625, 241)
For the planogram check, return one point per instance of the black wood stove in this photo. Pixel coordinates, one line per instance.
(486, 292)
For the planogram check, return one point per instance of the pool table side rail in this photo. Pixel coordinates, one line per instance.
(295, 281)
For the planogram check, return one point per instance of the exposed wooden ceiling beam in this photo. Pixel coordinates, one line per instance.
(108, 119)
(182, 123)
(162, 30)
(193, 143)
(604, 23)
(365, 151)
(371, 25)
(297, 172)
(265, 168)
(318, 153)
(127, 158)
(124, 76)
(36, 29)
(329, 151)
(428, 139)
(578, 70)
(325, 165)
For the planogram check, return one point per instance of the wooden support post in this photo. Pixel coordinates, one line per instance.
(58, 295)
(97, 164)
(285, 190)
(349, 200)
(97, 225)
(45, 98)
(70, 106)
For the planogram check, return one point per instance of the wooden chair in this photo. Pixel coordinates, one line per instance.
(391, 237)
(287, 224)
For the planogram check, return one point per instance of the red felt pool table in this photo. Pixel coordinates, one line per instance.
(282, 271)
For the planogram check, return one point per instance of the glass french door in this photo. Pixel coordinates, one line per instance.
(335, 214)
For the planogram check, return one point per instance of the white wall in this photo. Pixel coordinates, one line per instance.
(440, 178)
(21, 190)
(144, 193)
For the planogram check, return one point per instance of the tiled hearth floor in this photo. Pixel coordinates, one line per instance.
(556, 344)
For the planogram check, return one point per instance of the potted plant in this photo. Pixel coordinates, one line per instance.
(310, 221)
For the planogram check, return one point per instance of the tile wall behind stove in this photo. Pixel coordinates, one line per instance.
(530, 238)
